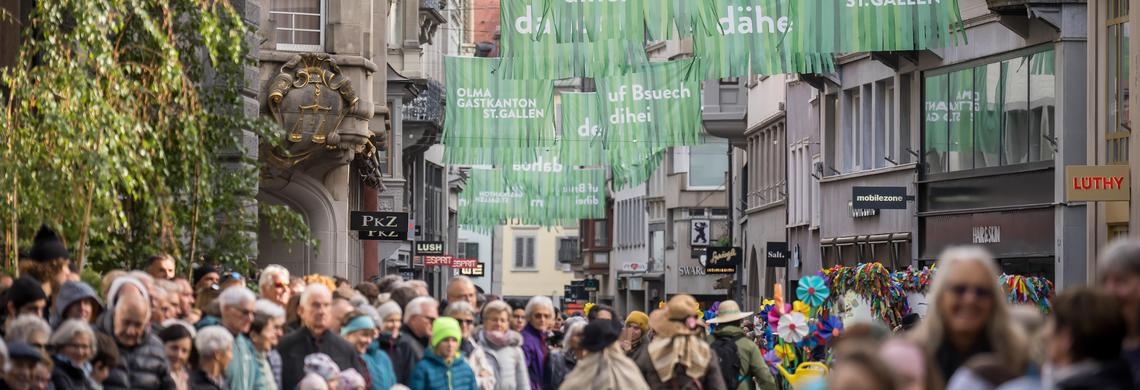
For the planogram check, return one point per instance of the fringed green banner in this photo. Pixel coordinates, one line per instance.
(531, 197)
(487, 113)
(847, 26)
(735, 38)
(582, 129)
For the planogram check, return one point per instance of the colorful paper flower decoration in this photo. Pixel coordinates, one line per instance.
(828, 329)
(813, 290)
(775, 314)
(773, 361)
(799, 306)
(785, 352)
(792, 327)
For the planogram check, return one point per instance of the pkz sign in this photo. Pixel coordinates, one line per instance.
(879, 198)
(723, 260)
(379, 225)
(429, 248)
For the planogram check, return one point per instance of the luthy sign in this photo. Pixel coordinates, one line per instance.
(1097, 183)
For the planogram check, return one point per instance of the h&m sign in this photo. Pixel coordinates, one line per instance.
(1097, 183)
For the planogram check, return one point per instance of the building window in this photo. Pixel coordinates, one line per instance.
(1119, 124)
(300, 24)
(601, 233)
(524, 253)
(567, 249)
(433, 203)
(708, 163)
(995, 114)
(468, 250)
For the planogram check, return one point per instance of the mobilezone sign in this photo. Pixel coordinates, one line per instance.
(878, 198)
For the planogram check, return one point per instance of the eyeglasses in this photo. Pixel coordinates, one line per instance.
(280, 285)
(80, 347)
(244, 312)
(42, 347)
(962, 289)
(465, 321)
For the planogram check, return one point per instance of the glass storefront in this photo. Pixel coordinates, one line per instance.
(992, 114)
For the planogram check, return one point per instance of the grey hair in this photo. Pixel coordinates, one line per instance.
(24, 326)
(169, 285)
(498, 306)
(117, 285)
(388, 309)
(269, 309)
(460, 279)
(536, 302)
(1121, 256)
(314, 289)
(67, 332)
(458, 307)
(269, 272)
(416, 307)
(212, 339)
(572, 330)
(1005, 337)
(236, 295)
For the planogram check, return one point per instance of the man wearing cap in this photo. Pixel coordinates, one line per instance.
(752, 365)
(49, 261)
(636, 334)
(25, 297)
(30, 368)
(206, 276)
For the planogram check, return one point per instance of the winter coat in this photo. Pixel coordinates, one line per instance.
(409, 352)
(142, 366)
(477, 359)
(711, 380)
(294, 347)
(1113, 375)
(751, 360)
(66, 376)
(432, 373)
(558, 365)
(639, 348)
(244, 371)
(534, 349)
(506, 361)
(380, 367)
(69, 293)
(200, 381)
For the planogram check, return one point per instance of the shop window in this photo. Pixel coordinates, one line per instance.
(567, 249)
(708, 163)
(994, 114)
(1119, 123)
(524, 253)
(299, 24)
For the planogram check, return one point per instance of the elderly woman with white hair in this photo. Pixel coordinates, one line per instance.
(214, 345)
(273, 284)
(502, 347)
(464, 313)
(264, 332)
(969, 314)
(560, 363)
(74, 346)
(30, 329)
(539, 316)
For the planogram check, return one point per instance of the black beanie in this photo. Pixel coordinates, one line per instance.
(47, 246)
(599, 334)
(25, 290)
(202, 271)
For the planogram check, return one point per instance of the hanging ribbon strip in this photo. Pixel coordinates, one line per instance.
(531, 197)
(873, 283)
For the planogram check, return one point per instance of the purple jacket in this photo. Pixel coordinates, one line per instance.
(534, 350)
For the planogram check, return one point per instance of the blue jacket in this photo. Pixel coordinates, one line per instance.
(432, 373)
(380, 367)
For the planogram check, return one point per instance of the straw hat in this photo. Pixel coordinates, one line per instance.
(679, 317)
(729, 311)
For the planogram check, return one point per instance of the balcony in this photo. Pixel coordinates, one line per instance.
(725, 107)
(423, 117)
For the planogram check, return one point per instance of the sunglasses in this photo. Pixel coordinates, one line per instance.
(962, 289)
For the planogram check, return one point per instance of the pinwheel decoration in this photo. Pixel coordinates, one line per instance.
(792, 327)
(813, 290)
(829, 328)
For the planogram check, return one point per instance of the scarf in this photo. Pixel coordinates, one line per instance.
(497, 339)
(687, 350)
(608, 369)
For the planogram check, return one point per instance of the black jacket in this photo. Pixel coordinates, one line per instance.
(140, 367)
(558, 365)
(65, 376)
(1114, 375)
(295, 346)
(409, 351)
(200, 381)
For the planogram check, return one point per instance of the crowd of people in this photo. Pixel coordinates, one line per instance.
(151, 329)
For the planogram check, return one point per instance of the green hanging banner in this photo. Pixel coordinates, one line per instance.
(736, 38)
(648, 111)
(848, 26)
(582, 137)
(532, 198)
(486, 113)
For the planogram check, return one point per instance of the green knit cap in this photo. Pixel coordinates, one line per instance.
(445, 327)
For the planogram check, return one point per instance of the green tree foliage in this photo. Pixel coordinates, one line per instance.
(122, 125)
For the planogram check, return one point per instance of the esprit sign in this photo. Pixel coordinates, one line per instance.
(437, 261)
(878, 198)
(1097, 183)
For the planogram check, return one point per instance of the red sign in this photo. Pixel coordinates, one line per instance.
(440, 261)
(465, 263)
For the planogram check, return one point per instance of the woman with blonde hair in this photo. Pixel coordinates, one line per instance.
(969, 314)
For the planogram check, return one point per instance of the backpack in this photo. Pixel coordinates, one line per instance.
(726, 351)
